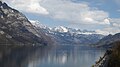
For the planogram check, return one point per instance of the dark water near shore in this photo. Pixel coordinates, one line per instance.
(59, 56)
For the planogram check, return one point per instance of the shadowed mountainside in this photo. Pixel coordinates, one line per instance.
(106, 41)
(16, 29)
(114, 58)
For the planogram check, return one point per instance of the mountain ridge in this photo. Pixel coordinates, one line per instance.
(15, 28)
(62, 29)
(108, 40)
(65, 35)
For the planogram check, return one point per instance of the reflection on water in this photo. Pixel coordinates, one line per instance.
(60, 56)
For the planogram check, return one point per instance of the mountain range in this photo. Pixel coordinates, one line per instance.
(64, 35)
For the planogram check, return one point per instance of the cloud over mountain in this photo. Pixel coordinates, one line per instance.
(63, 10)
(75, 13)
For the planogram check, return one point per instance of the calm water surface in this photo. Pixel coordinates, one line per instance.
(59, 56)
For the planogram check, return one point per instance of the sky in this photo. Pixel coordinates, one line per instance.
(103, 16)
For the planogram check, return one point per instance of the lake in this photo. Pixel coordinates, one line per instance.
(49, 56)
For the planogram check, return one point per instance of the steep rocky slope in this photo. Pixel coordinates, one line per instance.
(114, 58)
(16, 29)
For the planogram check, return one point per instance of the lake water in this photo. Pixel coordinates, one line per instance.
(58, 56)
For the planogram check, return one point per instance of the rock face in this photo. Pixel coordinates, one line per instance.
(114, 58)
(16, 29)
(70, 36)
(106, 41)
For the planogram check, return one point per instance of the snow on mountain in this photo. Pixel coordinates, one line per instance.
(36, 23)
(60, 29)
(65, 35)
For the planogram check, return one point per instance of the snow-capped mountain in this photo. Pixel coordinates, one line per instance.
(65, 35)
(62, 29)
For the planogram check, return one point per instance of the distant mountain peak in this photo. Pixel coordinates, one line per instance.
(60, 29)
(65, 35)
(63, 29)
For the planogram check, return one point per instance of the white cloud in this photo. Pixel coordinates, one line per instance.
(116, 25)
(106, 21)
(112, 29)
(108, 30)
(104, 32)
(75, 12)
(30, 6)
(115, 22)
(88, 19)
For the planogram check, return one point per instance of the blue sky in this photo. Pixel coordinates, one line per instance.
(103, 16)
